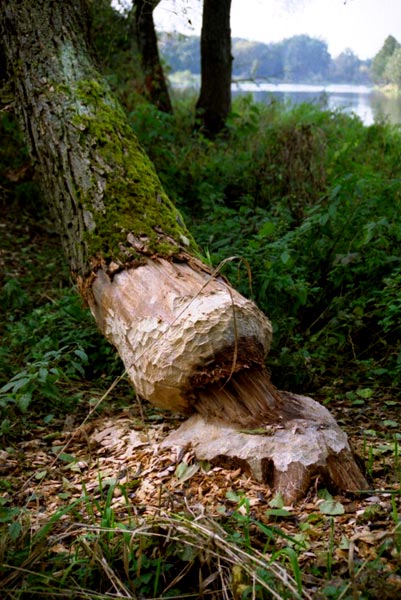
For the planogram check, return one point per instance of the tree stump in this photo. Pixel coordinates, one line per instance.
(192, 344)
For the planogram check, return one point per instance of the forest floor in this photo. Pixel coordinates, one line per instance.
(103, 466)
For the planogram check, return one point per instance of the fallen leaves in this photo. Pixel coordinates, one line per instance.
(117, 456)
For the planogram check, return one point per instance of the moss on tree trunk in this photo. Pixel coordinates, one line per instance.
(103, 191)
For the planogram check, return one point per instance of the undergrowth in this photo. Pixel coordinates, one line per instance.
(311, 199)
(93, 548)
(146, 557)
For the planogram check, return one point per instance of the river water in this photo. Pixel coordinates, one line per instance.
(368, 104)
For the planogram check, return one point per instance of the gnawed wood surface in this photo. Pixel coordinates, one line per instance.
(175, 327)
(192, 344)
(304, 442)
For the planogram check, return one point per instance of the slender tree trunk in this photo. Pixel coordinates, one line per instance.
(190, 343)
(145, 40)
(214, 103)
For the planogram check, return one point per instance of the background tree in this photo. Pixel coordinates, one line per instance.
(189, 342)
(126, 50)
(347, 67)
(181, 52)
(379, 63)
(142, 29)
(253, 59)
(214, 103)
(305, 58)
(392, 72)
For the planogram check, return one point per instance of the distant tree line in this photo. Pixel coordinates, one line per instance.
(386, 65)
(297, 59)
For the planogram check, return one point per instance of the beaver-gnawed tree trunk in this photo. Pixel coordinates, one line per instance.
(190, 343)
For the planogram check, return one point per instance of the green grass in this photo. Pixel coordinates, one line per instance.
(163, 556)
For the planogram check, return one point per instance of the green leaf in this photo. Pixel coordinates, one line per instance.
(293, 558)
(7, 514)
(82, 355)
(277, 512)
(365, 393)
(78, 367)
(185, 471)
(285, 257)
(383, 449)
(232, 496)
(324, 494)
(14, 530)
(43, 374)
(15, 384)
(277, 501)
(331, 507)
(205, 465)
(69, 458)
(23, 401)
(267, 229)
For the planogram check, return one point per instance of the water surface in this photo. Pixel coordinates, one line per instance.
(368, 104)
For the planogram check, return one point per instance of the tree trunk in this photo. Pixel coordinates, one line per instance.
(214, 103)
(190, 343)
(145, 40)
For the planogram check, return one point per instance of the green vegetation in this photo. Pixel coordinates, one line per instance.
(299, 58)
(311, 200)
(386, 65)
(105, 125)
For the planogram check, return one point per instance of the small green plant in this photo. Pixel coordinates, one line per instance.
(47, 358)
(40, 378)
(242, 527)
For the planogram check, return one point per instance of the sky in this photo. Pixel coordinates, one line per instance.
(361, 25)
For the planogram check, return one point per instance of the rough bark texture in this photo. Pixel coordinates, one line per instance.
(143, 30)
(103, 191)
(188, 340)
(214, 103)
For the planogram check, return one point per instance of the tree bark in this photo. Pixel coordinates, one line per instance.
(189, 341)
(145, 41)
(214, 103)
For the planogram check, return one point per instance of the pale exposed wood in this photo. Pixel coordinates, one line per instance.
(190, 343)
(287, 456)
(173, 325)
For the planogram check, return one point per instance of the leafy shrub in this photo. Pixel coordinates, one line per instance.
(48, 349)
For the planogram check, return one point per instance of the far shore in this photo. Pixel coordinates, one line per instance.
(388, 90)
